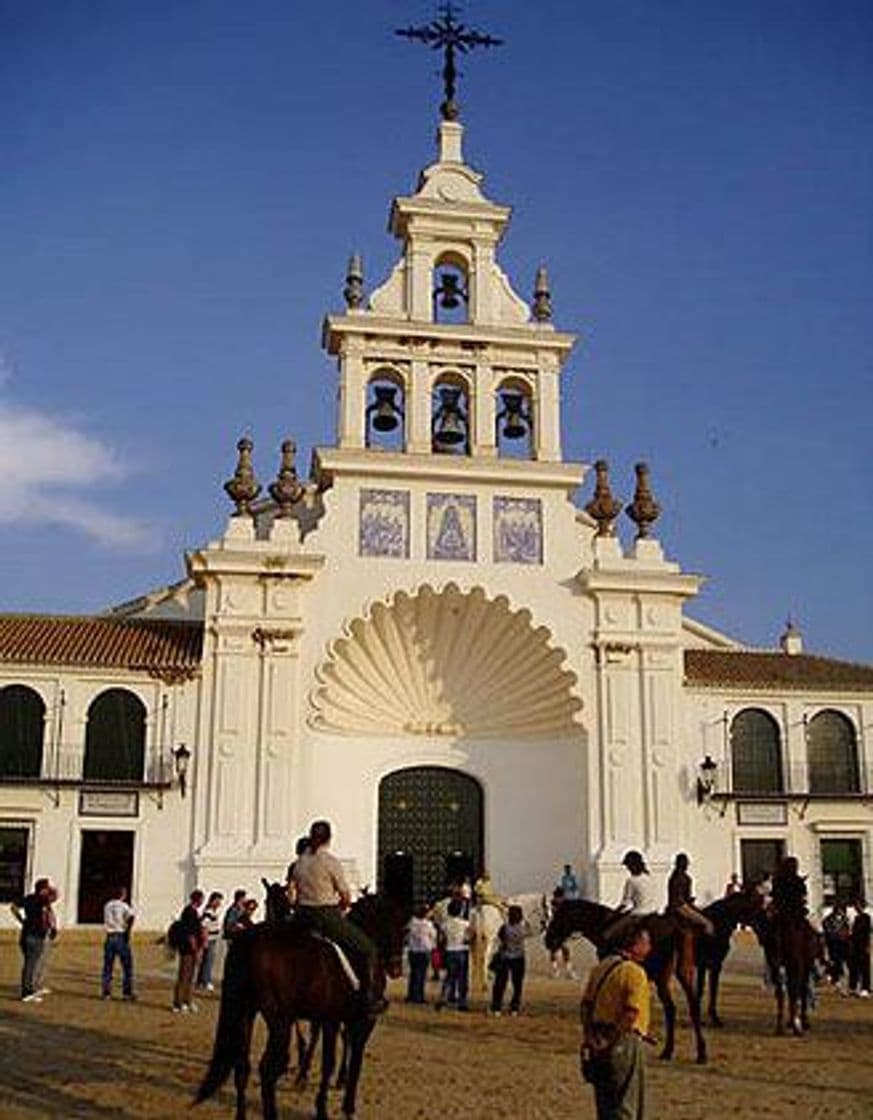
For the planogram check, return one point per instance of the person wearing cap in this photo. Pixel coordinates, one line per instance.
(637, 901)
(323, 895)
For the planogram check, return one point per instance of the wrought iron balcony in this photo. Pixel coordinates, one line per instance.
(64, 765)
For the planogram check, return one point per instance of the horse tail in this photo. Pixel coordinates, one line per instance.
(230, 1034)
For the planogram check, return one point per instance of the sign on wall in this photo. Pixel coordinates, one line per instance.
(756, 812)
(108, 803)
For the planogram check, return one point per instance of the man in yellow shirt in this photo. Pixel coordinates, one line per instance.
(615, 1023)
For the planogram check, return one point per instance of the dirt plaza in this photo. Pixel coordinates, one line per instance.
(74, 1055)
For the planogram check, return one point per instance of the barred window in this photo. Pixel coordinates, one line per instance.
(115, 738)
(22, 722)
(756, 754)
(832, 754)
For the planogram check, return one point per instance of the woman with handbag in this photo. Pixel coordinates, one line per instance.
(509, 961)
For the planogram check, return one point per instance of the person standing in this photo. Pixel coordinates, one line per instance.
(189, 945)
(38, 929)
(569, 884)
(615, 1022)
(733, 886)
(836, 928)
(510, 961)
(456, 938)
(859, 953)
(211, 923)
(420, 943)
(118, 918)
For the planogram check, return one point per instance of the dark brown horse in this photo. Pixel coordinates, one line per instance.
(285, 974)
(791, 948)
(746, 907)
(673, 954)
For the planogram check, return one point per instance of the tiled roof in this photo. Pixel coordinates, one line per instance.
(156, 646)
(749, 669)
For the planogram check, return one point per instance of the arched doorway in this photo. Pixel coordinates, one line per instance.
(430, 831)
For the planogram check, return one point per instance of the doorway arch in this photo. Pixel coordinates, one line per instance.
(430, 831)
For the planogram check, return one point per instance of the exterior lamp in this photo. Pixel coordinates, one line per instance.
(181, 758)
(706, 779)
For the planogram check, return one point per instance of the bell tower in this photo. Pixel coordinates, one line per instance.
(444, 357)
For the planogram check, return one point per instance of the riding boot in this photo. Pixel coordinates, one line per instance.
(371, 994)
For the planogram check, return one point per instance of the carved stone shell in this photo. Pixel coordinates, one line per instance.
(447, 663)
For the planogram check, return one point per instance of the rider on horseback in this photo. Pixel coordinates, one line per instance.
(789, 892)
(680, 901)
(322, 896)
(637, 900)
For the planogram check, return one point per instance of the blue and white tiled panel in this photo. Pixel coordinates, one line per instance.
(451, 527)
(383, 527)
(518, 530)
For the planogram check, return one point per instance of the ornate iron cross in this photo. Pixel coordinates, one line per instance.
(447, 34)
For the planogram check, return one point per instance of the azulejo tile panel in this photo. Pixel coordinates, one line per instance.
(518, 530)
(383, 527)
(451, 527)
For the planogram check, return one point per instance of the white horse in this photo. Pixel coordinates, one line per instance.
(486, 919)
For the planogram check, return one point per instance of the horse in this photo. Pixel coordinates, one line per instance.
(673, 953)
(742, 908)
(791, 948)
(285, 973)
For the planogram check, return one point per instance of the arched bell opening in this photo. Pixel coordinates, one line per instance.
(514, 419)
(385, 411)
(451, 421)
(451, 289)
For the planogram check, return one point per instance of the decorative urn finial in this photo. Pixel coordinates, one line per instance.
(243, 488)
(353, 292)
(287, 489)
(603, 507)
(542, 300)
(643, 510)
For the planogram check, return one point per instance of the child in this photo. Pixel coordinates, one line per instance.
(456, 932)
(510, 961)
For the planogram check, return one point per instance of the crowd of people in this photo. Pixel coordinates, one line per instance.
(615, 1001)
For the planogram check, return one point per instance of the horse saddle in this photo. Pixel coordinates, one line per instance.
(345, 963)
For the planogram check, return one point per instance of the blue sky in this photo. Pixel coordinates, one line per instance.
(182, 184)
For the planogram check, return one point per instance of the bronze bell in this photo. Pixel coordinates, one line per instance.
(449, 293)
(449, 426)
(513, 415)
(385, 413)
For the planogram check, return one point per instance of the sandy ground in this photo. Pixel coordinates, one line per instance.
(74, 1055)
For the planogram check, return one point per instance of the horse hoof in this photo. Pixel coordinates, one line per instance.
(701, 1059)
(716, 1022)
(665, 1056)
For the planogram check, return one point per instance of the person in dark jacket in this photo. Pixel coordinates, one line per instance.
(190, 945)
(789, 891)
(859, 953)
(680, 899)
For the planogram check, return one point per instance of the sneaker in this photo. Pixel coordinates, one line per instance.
(130, 997)
(43, 991)
(210, 988)
(494, 1014)
(176, 1009)
(105, 995)
(32, 997)
(514, 1012)
(193, 1008)
(864, 994)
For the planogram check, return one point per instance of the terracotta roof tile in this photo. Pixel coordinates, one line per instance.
(154, 645)
(750, 669)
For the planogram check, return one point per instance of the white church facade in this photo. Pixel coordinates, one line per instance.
(428, 643)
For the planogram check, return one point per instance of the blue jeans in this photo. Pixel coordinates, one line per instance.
(457, 982)
(117, 945)
(418, 963)
(204, 972)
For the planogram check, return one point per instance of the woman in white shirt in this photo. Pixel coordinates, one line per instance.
(638, 899)
(420, 943)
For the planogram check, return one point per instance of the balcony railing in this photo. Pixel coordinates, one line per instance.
(796, 786)
(64, 765)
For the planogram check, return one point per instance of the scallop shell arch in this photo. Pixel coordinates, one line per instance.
(446, 662)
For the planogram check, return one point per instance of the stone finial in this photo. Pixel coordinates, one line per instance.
(243, 488)
(287, 489)
(542, 300)
(643, 510)
(353, 292)
(603, 507)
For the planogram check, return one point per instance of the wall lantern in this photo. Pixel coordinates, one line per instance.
(706, 783)
(181, 758)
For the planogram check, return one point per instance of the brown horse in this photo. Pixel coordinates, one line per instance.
(673, 953)
(746, 907)
(791, 948)
(284, 973)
